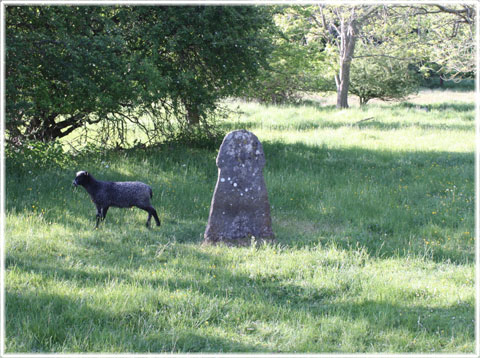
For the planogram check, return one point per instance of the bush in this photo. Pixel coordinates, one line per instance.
(295, 65)
(382, 78)
(68, 66)
(204, 137)
(30, 155)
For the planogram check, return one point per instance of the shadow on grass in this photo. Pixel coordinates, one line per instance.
(402, 125)
(59, 323)
(446, 106)
(391, 203)
(55, 322)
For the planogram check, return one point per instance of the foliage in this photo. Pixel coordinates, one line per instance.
(382, 78)
(65, 66)
(198, 54)
(68, 66)
(384, 41)
(448, 38)
(435, 82)
(375, 226)
(35, 155)
(296, 63)
(203, 136)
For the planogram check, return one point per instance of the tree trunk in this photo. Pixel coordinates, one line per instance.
(193, 118)
(348, 32)
(192, 114)
(45, 128)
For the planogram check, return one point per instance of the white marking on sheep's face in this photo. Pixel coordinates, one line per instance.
(80, 178)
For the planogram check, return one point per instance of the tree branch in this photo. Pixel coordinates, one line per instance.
(369, 12)
(387, 56)
(467, 13)
(70, 130)
(68, 122)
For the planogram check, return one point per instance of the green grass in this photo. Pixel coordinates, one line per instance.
(375, 243)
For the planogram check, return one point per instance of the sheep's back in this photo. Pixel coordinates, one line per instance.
(128, 193)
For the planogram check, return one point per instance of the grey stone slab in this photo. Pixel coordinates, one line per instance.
(240, 210)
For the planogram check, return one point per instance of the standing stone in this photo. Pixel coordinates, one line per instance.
(240, 210)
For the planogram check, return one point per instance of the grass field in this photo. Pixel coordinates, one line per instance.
(375, 242)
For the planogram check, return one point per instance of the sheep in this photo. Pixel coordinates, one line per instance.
(118, 194)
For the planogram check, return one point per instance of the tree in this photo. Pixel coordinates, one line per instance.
(382, 78)
(65, 66)
(448, 36)
(68, 66)
(340, 26)
(413, 34)
(384, 64)
(296, 64)
(202, 53)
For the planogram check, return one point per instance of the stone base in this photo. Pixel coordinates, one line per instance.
(242, 242)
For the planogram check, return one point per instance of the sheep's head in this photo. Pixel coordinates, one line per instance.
(81, 178)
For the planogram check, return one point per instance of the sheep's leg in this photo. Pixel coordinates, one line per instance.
(155, 216)
(98, 219)
(101, 213)
(149, 218)
(104, 212)
(151, 212)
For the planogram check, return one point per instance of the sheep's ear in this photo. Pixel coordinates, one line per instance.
(87, 174)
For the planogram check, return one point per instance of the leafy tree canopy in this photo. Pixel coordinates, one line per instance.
(71, 65)
(367, 50)
(296, 63)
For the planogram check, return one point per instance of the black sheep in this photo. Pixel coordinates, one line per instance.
(118, 194)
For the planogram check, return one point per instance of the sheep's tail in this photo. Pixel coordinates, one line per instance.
(151, 192)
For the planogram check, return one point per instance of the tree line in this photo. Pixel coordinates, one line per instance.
(163, 69)
(371, 51)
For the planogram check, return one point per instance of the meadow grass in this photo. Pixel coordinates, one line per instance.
(374, 223)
